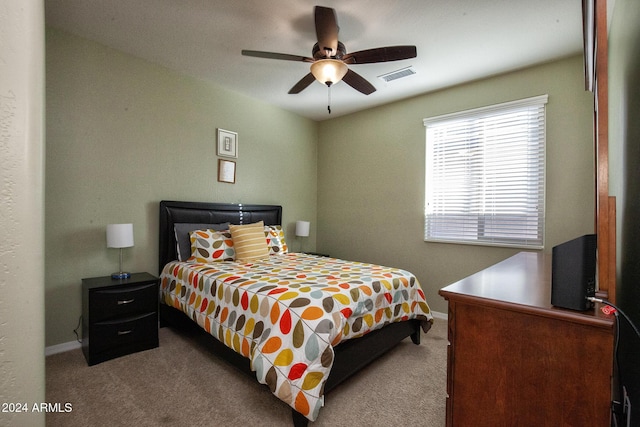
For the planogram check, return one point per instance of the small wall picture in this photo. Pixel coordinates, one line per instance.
(227, 143)
(227, 171)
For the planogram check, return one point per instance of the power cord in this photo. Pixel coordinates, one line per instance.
(635, 329)
(619, 408)
(75, 331)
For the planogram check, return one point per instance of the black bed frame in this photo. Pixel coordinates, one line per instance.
(350, 356)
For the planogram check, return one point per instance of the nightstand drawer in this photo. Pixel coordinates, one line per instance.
(109, 303)
(123, 332)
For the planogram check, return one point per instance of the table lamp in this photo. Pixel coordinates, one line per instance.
(120, 236)
(302, 230)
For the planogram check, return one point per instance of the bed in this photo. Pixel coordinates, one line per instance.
(323, 319)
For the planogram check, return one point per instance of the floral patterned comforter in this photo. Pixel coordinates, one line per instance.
(288, 312)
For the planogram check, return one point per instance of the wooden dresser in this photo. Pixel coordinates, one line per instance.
(514, 360)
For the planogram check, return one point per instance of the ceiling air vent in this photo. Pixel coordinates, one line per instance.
(398, 74)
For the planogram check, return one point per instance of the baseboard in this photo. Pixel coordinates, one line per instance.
(61, 348)
(438, 315)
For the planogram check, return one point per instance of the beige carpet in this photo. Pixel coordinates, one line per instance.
(182, 384)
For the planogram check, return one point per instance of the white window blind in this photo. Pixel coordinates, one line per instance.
(485, 175)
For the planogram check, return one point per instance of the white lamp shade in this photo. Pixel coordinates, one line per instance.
(302, 228)
(119, 235)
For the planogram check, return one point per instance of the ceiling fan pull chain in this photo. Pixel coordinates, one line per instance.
(329, 100)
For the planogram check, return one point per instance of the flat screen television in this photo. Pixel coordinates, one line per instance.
(573, 273)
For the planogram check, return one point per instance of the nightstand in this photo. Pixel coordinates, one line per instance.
(119, 316)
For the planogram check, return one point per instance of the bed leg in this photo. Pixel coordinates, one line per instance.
(299, 420)
(415, 337)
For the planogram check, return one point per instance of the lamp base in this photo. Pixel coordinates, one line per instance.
(121, 275)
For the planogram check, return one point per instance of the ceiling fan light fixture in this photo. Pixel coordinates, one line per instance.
(329, 71)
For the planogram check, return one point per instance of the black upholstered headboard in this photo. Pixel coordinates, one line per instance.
(207, 213)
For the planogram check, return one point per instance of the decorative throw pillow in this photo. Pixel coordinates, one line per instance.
(183, 239)
(249, 241)
(275, 239)
(211, 246)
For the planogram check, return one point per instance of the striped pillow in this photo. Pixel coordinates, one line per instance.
(249, 241)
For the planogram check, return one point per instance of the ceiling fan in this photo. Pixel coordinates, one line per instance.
(330, 57)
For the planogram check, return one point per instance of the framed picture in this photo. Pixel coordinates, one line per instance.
(227, 171)
(227, 143)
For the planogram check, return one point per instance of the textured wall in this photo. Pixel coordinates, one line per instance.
(21, 210)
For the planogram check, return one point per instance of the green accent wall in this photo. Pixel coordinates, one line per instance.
(123, 134)
(371, 175)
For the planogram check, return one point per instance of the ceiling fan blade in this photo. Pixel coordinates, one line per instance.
(326, 31)
(358, 82)
(272, 55)
(302, 84)
(380, 54)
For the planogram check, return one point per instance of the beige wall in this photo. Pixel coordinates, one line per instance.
(123, 134)
(21, 210)
(371, 175)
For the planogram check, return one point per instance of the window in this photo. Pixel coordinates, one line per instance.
(485, 173)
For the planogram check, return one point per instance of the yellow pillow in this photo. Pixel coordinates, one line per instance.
(249, 241)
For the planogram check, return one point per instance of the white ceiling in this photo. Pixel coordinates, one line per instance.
(457, 41)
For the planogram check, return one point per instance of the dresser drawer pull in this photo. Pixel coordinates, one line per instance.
(127, 301)
(125, 332)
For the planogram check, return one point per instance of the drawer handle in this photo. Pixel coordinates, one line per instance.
(126, 301)
(125, 332)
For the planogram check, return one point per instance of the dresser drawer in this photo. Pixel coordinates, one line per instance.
(114, 302)
(113, 334)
